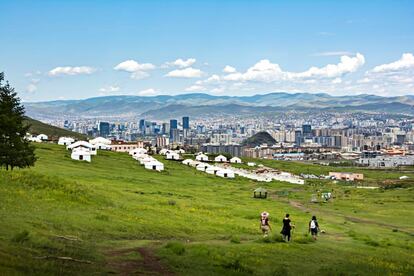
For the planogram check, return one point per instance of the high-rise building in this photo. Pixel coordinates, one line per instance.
(173, 128)
(186, 122)
(142, 126)
(307, 131)
(104, 129)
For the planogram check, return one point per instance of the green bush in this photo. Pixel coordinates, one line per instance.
(235, 239)
(176, 247)
(21, 237)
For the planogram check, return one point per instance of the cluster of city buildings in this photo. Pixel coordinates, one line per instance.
(364, 138)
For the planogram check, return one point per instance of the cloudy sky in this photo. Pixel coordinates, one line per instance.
(79, 49)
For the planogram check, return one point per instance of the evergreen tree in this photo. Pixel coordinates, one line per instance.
(15, 151)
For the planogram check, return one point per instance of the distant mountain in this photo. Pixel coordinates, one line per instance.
(198, 105)
(37, 128)
(258, 139)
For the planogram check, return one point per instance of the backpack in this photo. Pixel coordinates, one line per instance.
(312, 224)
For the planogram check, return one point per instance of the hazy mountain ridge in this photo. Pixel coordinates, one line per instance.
(198, 104)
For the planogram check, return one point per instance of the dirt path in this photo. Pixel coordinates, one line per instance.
(135, 261)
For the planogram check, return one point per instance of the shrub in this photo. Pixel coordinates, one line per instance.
(21, 237)
(172, 202)
(176, 247)
(236, 265)
(235, 239)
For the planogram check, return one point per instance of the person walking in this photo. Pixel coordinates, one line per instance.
(313, 227)
(287, 228)
(264, 224)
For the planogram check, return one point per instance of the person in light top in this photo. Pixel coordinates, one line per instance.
(313, 227)
(264, 224)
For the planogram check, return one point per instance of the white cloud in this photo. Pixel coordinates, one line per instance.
(229, 69)
(111, 88)
(195, 88)
(185, 73)
(133, 66)
(181, 63)
(71, 71)
(147, 92)
(337, 81)
(139, 75)
(405, 62)
(31, 88)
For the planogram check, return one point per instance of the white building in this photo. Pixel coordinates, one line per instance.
(187, 162)
(138, 151)
(100, 140)
(42, 137)
(388, 161)
(154, 165)
(220, 158)
(172, 156)
(202, 166)
(202, 157)
(65, 141)
(212, 170)
(225, 173)
(81, 154)
(101, 146)
(147, 159)
(83, 144)
(236, 160)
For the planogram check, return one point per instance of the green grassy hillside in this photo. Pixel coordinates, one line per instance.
(113, 216)
(37, 127)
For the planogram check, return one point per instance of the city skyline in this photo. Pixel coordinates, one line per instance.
(77, 49)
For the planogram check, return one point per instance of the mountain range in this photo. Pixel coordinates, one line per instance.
(199, 104)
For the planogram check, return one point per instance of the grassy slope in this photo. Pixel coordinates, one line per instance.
(38, 127)
(114, 203)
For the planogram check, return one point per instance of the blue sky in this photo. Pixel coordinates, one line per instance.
(78, 49)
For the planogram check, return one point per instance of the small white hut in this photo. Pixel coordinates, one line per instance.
(212, 170)
(236, 160)
(146, 160)
(65, 141)
(100, 140)
(202, 157)
(83, 144)
(220, 158)
(42, 137)
(81, 154)
(164, 151)
(154, 165)
(225, 173)
(202, 167)
(172, 156)
(187, 162)
(138, 151)
(101, 146)
(180, 151)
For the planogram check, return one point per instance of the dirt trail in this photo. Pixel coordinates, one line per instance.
(147, 264)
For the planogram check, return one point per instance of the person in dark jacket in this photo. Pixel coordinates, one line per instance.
(287, 228)
(313, 227)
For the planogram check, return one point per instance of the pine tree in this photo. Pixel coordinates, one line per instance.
(15, 150)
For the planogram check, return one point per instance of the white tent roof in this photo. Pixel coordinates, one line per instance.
(80, 144)
(235, 159)
(220, 157)
(138, 151)
(100, 140)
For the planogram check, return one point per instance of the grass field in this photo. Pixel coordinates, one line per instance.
(113, 216)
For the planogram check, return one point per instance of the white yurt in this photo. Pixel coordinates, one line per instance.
(65, 141)
(202, 157)
(83, 144)
(194, 163)
(154, 165)
(212, 170)
(225, 173)
(138, 151)
(202, 166)
(172, 156)
(180, 151)
(100, 140)
(101, 146)
(164, 151)
(33, 139)
(187, 162)
(140, 156)
(42, 137)
(235, 160)
(81, 154)
(220, 158)
(146, 160)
